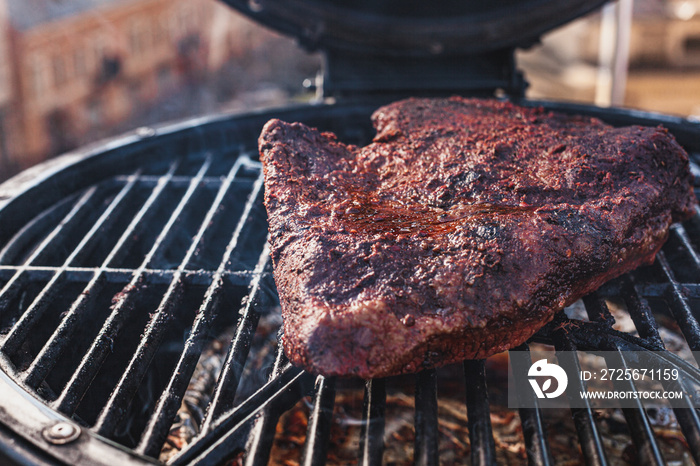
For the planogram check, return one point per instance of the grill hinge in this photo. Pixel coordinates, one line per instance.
(347, 75)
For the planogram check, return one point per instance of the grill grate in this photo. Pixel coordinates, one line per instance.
(109, 297)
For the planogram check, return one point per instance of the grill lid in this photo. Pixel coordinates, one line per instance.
(414, 27)
(398, 48)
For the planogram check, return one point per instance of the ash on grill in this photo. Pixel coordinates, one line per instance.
(189, 417)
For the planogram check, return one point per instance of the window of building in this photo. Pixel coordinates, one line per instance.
(37, 78)
(160, 31)
(99, 49)
(183, 19)
(60, 70)
(138, 37)
(174, 25)
(80, 62)
(4, 78)
(134, 39)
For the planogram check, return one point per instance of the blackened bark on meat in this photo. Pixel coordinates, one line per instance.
(459, 231)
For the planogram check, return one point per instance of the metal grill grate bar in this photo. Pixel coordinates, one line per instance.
(51, 351)
(127, 386)
(534, 432)
(426, 419)
(597, 309)
(140, 220)
(373, 418)
(12, 287)
(19, 331)
(227, 385)
(156, 430)
(34, 229)
(48, 245)
(640, 312)
(92, 361)
(684, 238)
(10, 291)
(318, 431)
(689, 420)
(687, 416)
(255, 197)
(647, 449)
(29, 318)
(101, 346)
(169, 402)
(213, 447)
(262, 436)
(657, 290)
(108, 217)
(177, 180)
(47, 357)
(479, 414)
(158, 426)
(155, 276)
(205, 229)
(679, 306)
(129, 382)
(584, 418)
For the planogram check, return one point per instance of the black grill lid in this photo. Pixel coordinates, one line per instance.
(414, 27)
(399, 48)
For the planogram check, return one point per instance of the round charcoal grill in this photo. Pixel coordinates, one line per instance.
(125, 267)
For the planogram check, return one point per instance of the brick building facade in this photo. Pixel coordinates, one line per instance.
(74, 71)
(5, 85)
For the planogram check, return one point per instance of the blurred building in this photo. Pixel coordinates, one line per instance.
(5, 84)
(73, 71)
(663, 53)
(82, 67)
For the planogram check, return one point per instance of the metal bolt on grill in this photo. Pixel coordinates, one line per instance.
(119, 271)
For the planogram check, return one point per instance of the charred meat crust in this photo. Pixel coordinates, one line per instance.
(459, 231)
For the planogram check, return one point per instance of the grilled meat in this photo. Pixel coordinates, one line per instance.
(459, 231)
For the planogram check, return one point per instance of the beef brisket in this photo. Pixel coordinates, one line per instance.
(459, 231)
